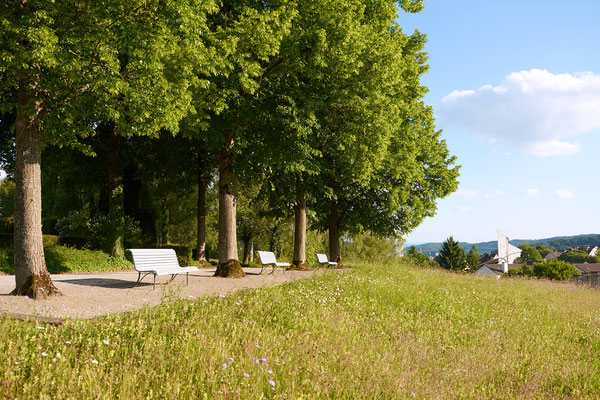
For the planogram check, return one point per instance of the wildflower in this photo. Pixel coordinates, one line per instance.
(231, 359)
(139, 362)
(44, 354)
(25, 297)
(58, 355)
(239, 301)
(67, 342)
(54, 360)
(264, 360)
(413, 394)
(94, 361)
(16, 363)
(246, 375)
(222, 296)
(257, 346)
(270, 372)
(256, 361)
(224, 365)
(105, 341)
(271, 382)
(40, 327)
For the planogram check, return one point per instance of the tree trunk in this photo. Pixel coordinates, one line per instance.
(31, 275)
(334, 235)
(115, 246)
(299, 259)
(201, 233)
(229, 265)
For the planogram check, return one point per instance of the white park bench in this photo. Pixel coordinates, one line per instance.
(158, 262)
(268, 258)
(323, 261)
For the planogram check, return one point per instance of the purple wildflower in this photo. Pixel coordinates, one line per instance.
(246, 375)
(224, 365)
(264, 360)
(271, 382)
(270, 371)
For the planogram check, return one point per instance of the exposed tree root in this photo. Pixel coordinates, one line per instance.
(38, 286)
(230, 269)
(299, 266)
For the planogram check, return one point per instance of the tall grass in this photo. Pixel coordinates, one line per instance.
(381, 331)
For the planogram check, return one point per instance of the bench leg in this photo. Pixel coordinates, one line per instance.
(154, 282)
(187, 279)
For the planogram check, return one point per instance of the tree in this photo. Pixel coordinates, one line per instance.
(452, 256)
(578, 256)
(416, 257)
(247, 36)
(529, 255)
(473, 259)
(543, 249)
(382, 164)
(555, 270)
(62, 61)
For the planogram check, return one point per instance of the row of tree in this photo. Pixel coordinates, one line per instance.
(453, 257)
(318, 102)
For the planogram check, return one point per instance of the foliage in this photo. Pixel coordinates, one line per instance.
(543, 249)
(416, 257)
(578, 256)
(368, 247)
(7, 198)
(452, 256)
(529, 255)
(61, 259)
(97, 229)
(525, 270)
(323, 338)
(472, 259)
(555, 270)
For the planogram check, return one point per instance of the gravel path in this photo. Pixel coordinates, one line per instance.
(90, 295)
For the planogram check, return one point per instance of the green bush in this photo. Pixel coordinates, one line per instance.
(555, 270)
(525, 270)
(97, 230)
(61, 259)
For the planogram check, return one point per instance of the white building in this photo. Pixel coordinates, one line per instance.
(506, 251)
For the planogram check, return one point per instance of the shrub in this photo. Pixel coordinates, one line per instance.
(555, 270)
(98, 230)
(525, 270)
(416, 257)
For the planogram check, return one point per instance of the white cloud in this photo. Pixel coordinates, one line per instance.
(466, 194)
(466, 209)
(531, 192)
(490, 196)
(564, 194)
(551, 148)
(533, 111)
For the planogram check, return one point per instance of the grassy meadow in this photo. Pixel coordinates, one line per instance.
(374, 331)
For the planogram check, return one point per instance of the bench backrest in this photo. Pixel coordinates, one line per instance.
(154, 259)
(322, 258)
(267, 257)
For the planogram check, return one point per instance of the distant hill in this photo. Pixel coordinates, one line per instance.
(557, 243)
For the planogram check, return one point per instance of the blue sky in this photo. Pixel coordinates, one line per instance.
(515, 86)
